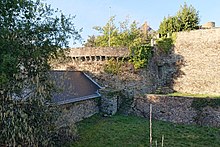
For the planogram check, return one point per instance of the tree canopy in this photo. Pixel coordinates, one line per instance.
(126, 35)
(31, 33)
(187, 18)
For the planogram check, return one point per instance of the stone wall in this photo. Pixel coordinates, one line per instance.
(200, 52)
(74, 112)
(139, 82)
(183, 110)
(193, 65)
(97, 53)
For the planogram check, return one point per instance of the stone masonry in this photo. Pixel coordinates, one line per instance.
(200, 50)
(75, 112)
(193, 66)
(177, 110)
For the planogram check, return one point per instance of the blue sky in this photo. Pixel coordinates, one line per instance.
(90, 13)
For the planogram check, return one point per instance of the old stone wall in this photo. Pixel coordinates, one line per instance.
(90, 52)
(200, 52)
(75, 112)
(139, 82)
(183, 110)
(193, 65)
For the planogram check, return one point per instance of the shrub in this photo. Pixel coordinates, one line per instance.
(31, 33)
(112, 66)
(140, 56)
(165, 44)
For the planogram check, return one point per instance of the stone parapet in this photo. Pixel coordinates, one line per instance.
(99, 51)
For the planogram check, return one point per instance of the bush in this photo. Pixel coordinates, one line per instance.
(165, 44)
(140, 56)
(31, 33)
(112, 66)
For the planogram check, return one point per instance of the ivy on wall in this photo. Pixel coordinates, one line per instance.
(165, 44)
(140, 55)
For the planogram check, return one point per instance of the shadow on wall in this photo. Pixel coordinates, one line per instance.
(169, 67)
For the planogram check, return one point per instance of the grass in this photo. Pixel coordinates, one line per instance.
(194, 95)
(131, 131)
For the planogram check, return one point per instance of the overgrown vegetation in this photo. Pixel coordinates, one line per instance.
(113, 66)
(127, 35)
(140, 55)
(31, 33)
(131, 131)
(186, 19)
(165, 44)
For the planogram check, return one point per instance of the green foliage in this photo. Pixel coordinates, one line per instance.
(120, 130)
(186, 19)
(168, 26)
(127, 35)
(112, 66)
(30, 34)
(90, 41)
(165, 44)
(140, 55)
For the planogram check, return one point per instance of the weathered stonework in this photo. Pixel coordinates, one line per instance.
(109, 102)
(74, 112)
(98, 53)
(139, 82)
(192, 66)
(200, 52)
(176, 109)
(113, 101)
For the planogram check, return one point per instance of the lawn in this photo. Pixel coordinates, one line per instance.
(131, 131)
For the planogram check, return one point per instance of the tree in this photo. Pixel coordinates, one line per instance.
(90, 41)
(126, 35)
(187, 18)
(109, 29)
(30, 34)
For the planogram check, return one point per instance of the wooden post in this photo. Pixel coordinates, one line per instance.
(150, 125)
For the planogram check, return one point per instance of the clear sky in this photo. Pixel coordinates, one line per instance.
(90, 13)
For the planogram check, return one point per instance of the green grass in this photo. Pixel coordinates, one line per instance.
(131, 131)
(194, 95)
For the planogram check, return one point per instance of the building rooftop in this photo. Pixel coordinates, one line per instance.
(73, 86)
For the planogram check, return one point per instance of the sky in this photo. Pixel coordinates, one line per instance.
(90, 13)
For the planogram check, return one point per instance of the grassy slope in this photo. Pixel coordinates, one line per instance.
(125, 131)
